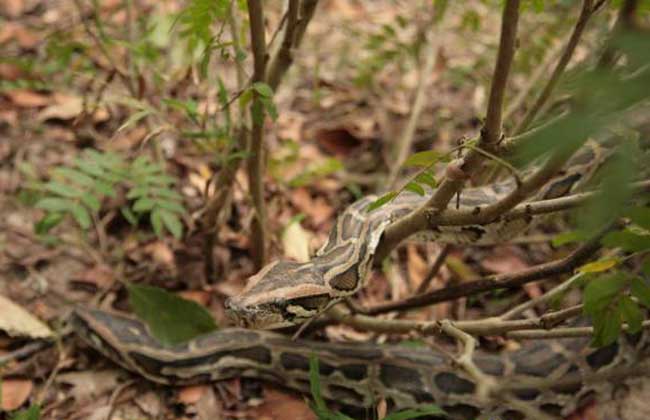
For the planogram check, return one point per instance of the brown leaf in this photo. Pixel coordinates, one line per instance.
(295, 241)
(98, 277)
(192, 394)
(17, 321)
(337, 141)
(90, 384)
(149, 403)
(160, 252)
(416, 265)
(14, 393)
(9, 71)
(208, 407)
(65, 107)
(504, 260)
(280, 406)
(316, 208)
(27, 99)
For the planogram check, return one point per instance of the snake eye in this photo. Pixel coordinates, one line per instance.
(311, 303)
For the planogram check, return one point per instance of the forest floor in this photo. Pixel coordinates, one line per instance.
(341, 107)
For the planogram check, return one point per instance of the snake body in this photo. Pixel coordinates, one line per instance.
(360, 375)
(286, 293)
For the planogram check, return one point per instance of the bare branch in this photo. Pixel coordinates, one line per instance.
(297, 20)
(491, 132)
(435, 268)
(256, 158)
(585, 13)
(509, 280)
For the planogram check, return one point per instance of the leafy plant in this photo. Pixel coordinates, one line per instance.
(33, 412)
(78, 191)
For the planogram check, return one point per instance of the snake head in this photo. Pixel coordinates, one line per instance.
(282, 294)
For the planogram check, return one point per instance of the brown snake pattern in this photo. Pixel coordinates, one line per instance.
(360, 375)
(286, 293)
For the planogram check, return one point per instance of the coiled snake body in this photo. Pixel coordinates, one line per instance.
(286, 293)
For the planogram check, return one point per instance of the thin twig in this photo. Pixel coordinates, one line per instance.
(405, 141)
(585, 13)
(435, 268)
(508, 280)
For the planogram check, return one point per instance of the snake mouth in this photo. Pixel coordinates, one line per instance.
(259, 317)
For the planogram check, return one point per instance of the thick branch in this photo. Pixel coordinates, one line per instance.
(256, 158)
(585, 13)
(492, 128)
(283, 58)
(509, 280)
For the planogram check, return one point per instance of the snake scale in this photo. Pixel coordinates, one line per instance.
(360, 375)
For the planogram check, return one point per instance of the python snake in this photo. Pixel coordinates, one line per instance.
(360, 375)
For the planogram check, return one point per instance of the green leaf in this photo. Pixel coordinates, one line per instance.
(427, 179)
(414, 187)
(270, 108)
(257, 112)
(105, 188)
(413, 413)
(263, 89)
(245, 98)
(31, 413)
(54, 204)
(91, 202)
(566, 238)
(627, 240)
(607, 327)
(314, 383)
(600, 292)
(75, 176)
(600, 265)
(639, 216)
(630, 314)
(156, 222)
(129, 215)
(172, 206)
(143, 204)
(645, 267)
(172, 223)
(171, 319)
(48, 222)
(63, 189)
(386, 198)
(80, 215)
(426, 158)
(640, 289)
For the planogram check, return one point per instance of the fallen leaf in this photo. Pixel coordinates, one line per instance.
(150, 403)
(316, 208)
(90, 384)
(417, 266)
(12, 8)
(191, 394)
(27, 99)
(280, 405)
(14, 393)
(160, 252)
(295, 240)
(65, 107)
(504, 260)
(98, 277)
(16, 321)
(10, 71)
(337, 141)
(208, 407)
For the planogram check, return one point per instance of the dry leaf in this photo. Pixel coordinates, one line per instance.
(65, 107)
(149, 403)
(27, 98)
(295, 240)
(280, 406)
(16, 321)
(191, 394)
(208, 407)
(160, 252)
(89, 384)
(199, 296)
(14, 393)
